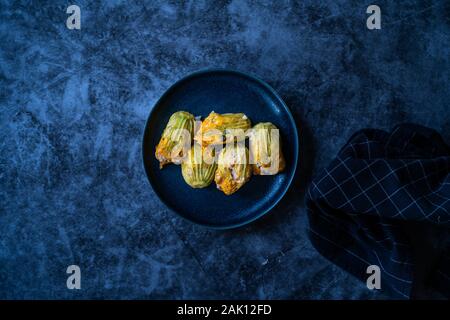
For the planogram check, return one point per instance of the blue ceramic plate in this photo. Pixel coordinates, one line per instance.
(223, 91)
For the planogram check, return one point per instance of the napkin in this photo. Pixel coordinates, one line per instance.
(385, 201)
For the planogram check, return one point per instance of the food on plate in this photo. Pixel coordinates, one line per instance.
(265, 149)
(233, 169)
(222, 128)
(176, 139)
(199, 149)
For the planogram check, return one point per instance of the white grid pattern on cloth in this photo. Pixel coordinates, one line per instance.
(426, 196)
(356, 174)
(395, 243)
(378, 182)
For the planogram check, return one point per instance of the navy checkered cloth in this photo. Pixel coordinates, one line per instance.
(385, 201)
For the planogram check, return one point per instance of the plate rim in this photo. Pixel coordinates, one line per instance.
(291, 119)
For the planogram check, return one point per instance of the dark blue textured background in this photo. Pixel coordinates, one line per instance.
(74, 105)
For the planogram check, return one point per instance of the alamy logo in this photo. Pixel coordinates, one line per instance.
(74, 20)
(374, 20)
(74, 280)
(374, 280)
